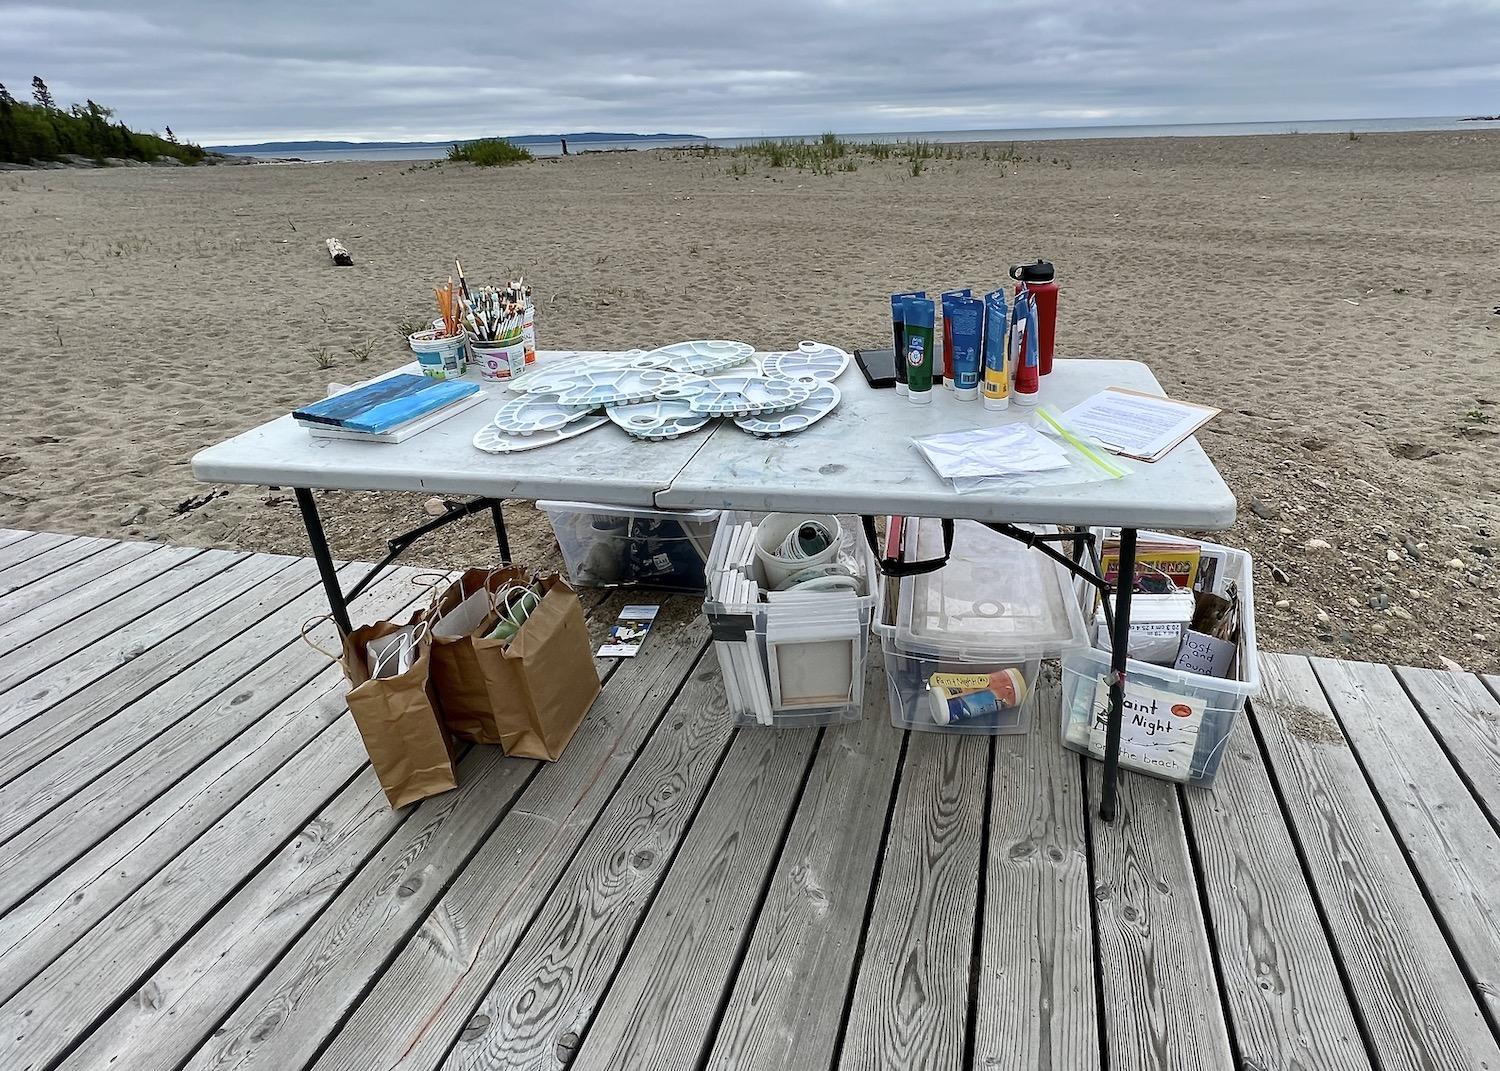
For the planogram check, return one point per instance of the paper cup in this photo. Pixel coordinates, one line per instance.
(774, 529)
(498, 360)
(440, 358)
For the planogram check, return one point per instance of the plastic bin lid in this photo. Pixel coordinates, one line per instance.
(996, 600)
(629, 511)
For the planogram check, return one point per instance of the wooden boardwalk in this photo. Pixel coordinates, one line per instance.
(198, 869)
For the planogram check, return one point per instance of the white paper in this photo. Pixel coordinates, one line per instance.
(1005, 450)
(1158, 730)
(1134, 424)
(629, 632)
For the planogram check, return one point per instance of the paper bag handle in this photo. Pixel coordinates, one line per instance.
(309, 623)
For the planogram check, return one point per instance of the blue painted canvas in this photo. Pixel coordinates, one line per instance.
(386, 404)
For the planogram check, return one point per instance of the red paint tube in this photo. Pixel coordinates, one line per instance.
(1023, 350)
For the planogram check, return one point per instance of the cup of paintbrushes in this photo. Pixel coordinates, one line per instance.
(440, 356)
(498, 358)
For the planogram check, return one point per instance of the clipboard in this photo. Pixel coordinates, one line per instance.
(1191, 417)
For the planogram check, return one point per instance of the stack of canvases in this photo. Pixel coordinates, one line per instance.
(499, 657)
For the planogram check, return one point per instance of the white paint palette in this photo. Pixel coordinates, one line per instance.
(823, 400)
(703, 356)
(492, 440)
(553, 379)
(533, 413)
(810, 360)
(737, 395)
(660, 419)
(620, 387)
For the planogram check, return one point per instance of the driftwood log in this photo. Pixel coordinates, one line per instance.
(339, 254)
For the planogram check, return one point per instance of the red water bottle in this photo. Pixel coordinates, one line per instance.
(1041, 283)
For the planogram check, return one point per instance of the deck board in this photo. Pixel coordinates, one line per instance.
(198, 869)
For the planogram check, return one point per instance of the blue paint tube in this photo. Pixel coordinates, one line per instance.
(898, 332)
(996, 369)
(1024, 353)
(942, 364)
(963, 328)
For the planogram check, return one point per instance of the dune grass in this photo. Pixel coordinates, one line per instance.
(489, 152)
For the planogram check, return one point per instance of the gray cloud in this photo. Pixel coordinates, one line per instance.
(243, 70)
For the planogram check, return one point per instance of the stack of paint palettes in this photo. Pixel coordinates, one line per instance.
(982, 348)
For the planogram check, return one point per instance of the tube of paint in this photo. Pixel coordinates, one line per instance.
(898, 332)
(957, 697)
(917, 314)
(942, 370)
(996, 369)
(963, 324)
(1023, 352)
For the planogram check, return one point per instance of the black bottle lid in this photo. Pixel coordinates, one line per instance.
(1040, 272)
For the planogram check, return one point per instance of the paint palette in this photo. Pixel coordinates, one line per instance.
(703, 357)
(660, 419)
(823, 400)
(554, 378)
(492, 440)
(737, 395)
(620, 387)
(532, 413)
(810, 360)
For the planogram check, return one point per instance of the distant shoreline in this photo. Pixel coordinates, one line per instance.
(549, 145)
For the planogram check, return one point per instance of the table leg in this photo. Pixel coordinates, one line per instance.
(1120, 650)
(497, 515)
(337, 606)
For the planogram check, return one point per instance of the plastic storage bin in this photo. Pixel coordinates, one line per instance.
(1176, 724)
(794, 661)
(621, 546)
(997, 605)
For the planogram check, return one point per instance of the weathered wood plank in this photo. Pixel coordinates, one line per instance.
(219, 647)
(786, 1008)
(661, 1009)
(1036, 1007)
(58, 1007)
(13, 535)
(174, 571)
(1447, 836)
(171, 1013)
(258, 721)
(41, 592)
(911, 997)
(295, 1009)
(557, 973)
(1416, 1008)
(191, 596)
(35, 623)
(1285, 998)
(1465, 715)
(1161, 998)
(48, 562)
(28, 547)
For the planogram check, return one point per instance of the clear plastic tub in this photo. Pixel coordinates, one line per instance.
(622, 546)
(795, 661)
(1176, 723)
(996, 606)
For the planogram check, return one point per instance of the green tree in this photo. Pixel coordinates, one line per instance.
(5, 97)
(171, 137)
(41, 94)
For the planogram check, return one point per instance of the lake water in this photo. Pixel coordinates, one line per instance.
(1055, 133)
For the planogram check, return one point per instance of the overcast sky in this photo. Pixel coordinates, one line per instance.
(250, 70)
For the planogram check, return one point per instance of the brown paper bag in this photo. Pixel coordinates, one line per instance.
(398, 718)
(544, 680)
(464, 692)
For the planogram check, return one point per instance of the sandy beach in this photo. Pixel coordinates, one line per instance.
(1337, 297)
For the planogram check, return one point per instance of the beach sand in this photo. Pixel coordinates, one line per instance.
(1337, 297)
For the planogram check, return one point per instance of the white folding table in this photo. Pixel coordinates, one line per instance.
(859, 460)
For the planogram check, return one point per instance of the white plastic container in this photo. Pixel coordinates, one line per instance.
(997, 605)
(1176, 724)
(795, 660)
(622, 546)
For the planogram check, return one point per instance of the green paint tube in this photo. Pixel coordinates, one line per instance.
(917, 313)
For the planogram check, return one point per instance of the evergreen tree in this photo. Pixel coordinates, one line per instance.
(41, 94)
(5, 97)
(171, 136)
